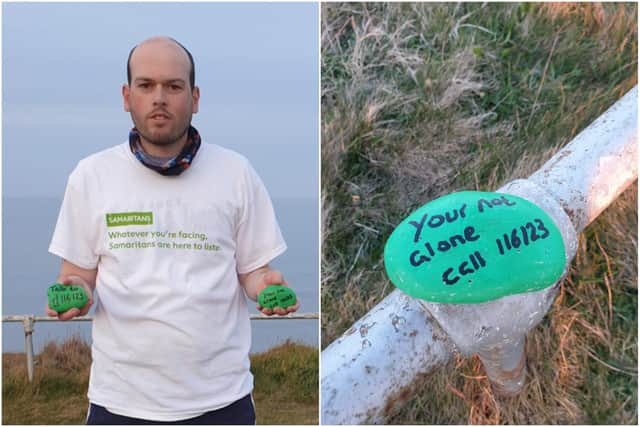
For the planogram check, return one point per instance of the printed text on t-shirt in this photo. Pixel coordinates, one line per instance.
(183, 240)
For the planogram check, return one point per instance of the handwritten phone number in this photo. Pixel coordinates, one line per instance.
(523, 235)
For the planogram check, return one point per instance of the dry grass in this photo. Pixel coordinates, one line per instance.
(57, 394)
(286, 385)
(424, 99)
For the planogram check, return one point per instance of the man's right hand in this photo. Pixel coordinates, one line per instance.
(73, 312)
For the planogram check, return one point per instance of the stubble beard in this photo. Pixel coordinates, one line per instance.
(161, 141)
(166, 141)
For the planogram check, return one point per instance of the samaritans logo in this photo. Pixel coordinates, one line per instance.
(129, 218)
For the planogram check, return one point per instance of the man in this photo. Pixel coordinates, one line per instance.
(171, 234)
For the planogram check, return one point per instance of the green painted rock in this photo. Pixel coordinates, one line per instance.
(64, 297)
(473, 247)
(276, 296)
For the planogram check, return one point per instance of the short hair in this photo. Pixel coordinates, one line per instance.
(192, 71)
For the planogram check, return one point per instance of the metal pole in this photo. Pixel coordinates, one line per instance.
(506, 366)
(290, 316)
(368, 371)
(597, 165)
(574, 187)
(27, 322)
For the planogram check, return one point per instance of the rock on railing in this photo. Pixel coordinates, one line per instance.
(370, 369)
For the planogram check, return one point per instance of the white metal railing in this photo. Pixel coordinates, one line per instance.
(29, 320)
(368, 372)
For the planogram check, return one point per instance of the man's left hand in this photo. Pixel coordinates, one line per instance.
(274, 277)
(258, 279)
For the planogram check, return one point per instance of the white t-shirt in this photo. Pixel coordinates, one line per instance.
(171, 333)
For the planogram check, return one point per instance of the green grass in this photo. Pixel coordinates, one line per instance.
(286, 385)
(285, 392)
(423, 99)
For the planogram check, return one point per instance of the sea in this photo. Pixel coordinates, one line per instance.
(28, 269)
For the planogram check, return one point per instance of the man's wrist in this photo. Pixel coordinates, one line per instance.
(254, 282)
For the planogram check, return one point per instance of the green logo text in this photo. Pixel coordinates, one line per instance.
(129, 218)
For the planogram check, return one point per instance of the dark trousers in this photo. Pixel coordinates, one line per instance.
(240, 412)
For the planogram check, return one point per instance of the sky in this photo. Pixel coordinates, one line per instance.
(63, 66)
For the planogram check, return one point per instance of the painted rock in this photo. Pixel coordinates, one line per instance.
(277, 296)
(64, 297)
(473, 247)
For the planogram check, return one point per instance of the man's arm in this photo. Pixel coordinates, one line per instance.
(71, 274)
(255, 281)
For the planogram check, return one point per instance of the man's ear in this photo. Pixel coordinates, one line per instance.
(125, 97)
(195, 95)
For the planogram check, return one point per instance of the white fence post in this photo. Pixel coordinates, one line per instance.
(363, 378)
(27, 323)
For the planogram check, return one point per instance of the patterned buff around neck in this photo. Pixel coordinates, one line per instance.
(168, 167)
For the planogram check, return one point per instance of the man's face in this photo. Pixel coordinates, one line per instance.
(160, 98)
